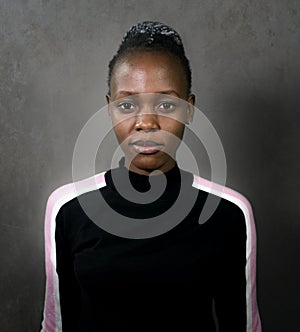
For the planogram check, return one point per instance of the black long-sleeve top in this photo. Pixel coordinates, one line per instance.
(193, 277)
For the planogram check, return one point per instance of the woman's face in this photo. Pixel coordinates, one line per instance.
(147, 116)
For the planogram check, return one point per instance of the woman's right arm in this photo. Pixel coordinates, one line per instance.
(62, 304)
(69, 292)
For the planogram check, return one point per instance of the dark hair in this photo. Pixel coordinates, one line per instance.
(152, 36)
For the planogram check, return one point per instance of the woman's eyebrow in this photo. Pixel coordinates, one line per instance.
(130, 93)
(169, 92)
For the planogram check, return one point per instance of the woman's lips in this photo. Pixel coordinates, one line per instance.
(146, 147)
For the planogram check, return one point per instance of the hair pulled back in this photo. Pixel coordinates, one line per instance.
(152, 36)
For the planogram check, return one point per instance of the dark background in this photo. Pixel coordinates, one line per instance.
(245, 60)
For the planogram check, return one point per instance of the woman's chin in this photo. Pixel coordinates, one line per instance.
(144, 163)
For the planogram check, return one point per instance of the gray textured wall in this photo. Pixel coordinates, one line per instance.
(245, 60)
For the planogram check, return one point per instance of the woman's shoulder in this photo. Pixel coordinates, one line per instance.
(223, 192)
(67, 194)
(225, 203)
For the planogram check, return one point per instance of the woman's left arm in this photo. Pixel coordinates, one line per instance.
(235, 274)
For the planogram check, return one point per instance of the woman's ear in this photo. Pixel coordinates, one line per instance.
(108, 102)
(190, 109)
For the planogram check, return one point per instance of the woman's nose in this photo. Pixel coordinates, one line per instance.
(147, 121)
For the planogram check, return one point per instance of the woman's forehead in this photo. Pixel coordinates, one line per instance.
(148, 72)
(154, 58)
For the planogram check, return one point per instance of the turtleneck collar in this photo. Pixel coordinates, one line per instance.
(141, 182)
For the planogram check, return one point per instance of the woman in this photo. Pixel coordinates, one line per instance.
(191, 276)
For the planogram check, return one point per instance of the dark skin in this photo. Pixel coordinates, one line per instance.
(140, 73)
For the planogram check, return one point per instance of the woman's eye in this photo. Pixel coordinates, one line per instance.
(167, 107)
(126, 107)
